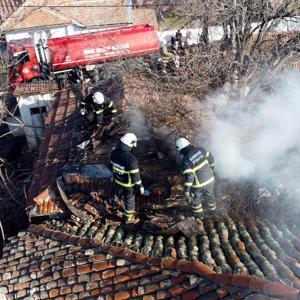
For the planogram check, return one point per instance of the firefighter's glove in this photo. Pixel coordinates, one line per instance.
(142, 190)
(82, 111)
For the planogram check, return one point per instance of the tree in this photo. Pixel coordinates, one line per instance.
(247, 26)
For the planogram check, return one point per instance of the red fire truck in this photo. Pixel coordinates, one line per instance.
(65, 54)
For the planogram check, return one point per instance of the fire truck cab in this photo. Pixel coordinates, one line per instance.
(23, 63)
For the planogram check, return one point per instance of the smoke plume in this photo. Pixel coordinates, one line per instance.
(138, 123)
(257, 136)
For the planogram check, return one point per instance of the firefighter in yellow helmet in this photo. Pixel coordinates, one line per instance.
(198, 170)
(127, 175)
(97, 107)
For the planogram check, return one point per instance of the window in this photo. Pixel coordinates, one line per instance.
(38, 110)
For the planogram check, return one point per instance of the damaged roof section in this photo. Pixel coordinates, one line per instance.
(62, 133)
(45, 264)
(224, 257)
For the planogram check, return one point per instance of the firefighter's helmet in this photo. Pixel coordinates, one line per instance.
(98, 98)
(129, 139)
(181, 143)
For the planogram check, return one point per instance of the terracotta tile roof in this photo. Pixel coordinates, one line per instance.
(224, 245)
(228, 258)
(29, 18)
(62, 133)
(41, 87)
(88, 13)
(58, 146)
(44, 263)
(7, 7)
(143, 16)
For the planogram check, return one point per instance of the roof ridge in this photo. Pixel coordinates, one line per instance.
(271, 288)
(56, 12)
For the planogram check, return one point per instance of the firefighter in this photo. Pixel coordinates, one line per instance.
(127, 175)
(97, 107)
(198, 169)
(178, 37)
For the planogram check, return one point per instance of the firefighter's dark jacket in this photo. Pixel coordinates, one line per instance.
(125, 167)
(197, 168)
(107, 107)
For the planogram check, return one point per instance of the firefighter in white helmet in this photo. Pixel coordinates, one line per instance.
(96, 107)
(198, 168)
(127, 175)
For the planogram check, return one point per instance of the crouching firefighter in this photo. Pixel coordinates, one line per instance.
(97, 108)
(198, 171)
(126, 175)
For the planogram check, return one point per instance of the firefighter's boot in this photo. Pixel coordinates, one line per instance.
(211, 206)
(198, 216)
(131, 218)
(197, 211)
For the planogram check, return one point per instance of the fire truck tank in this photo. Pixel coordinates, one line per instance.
(101, 46)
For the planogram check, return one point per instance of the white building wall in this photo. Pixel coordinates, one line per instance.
(36, 33)
(30, 107)
(50, 32)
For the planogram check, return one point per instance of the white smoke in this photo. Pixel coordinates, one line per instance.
(259, 138)
(138, 123)
(160, 138)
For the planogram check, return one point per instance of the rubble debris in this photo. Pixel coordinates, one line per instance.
(71, 207)
(188, 227)
(116, 127)
(92, 210)
(100, 171)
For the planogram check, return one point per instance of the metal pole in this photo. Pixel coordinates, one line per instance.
(129, 11)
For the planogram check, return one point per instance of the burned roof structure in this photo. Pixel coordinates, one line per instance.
(87, 252)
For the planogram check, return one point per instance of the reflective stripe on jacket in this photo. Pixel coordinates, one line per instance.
(197, 167)
(107, 106)
(125, 167)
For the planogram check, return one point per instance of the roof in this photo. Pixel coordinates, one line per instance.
(87, 13)
(62, 133)
(40, 87)
(43, 263)
(227, 258)
(7, 7)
